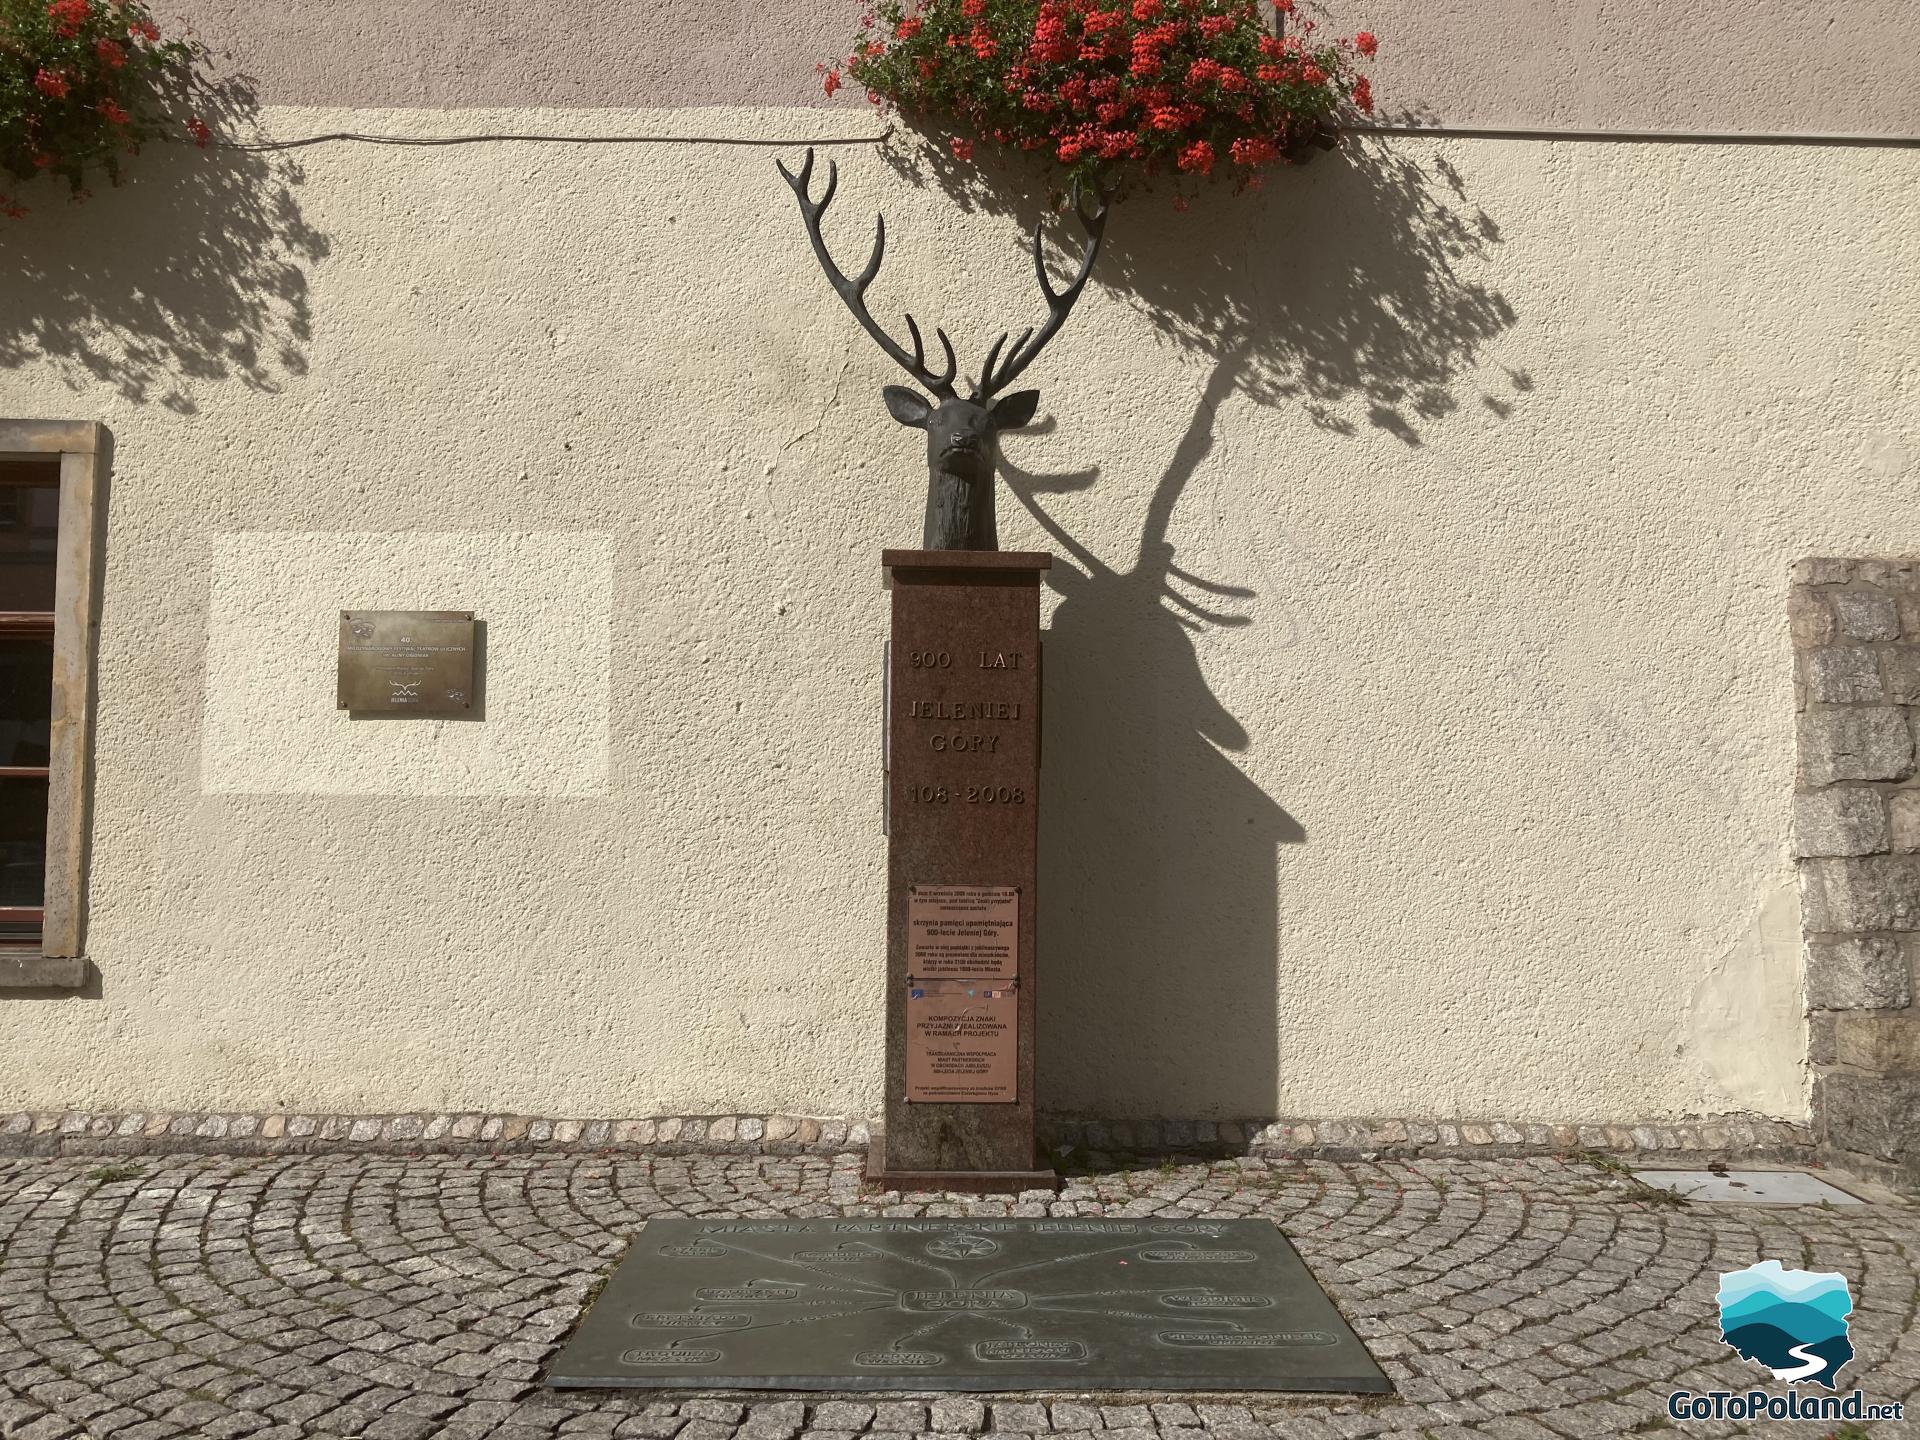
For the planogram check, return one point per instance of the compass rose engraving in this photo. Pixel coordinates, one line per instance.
(964, 1246)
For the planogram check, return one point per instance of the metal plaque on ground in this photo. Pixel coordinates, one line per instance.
(948, 1304)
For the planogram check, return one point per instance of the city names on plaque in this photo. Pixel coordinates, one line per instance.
(965, 1304)
(412, 662)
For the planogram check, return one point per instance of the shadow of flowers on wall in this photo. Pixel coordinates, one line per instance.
(1345, 286)
(194, 270)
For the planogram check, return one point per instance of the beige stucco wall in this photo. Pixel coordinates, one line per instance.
(1441, 765)
(1719, 65)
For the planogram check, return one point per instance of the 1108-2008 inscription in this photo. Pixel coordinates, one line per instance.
(969, 794)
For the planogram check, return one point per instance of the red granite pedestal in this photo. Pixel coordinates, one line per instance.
(963, 807)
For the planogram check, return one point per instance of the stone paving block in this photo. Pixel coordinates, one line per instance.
(841, 1415)
(958, 1416)
(1070, 1415)
(1018, 1418)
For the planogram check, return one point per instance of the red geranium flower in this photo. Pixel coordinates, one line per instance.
(1197, 156)
(51, 84)
(962, 149)
(113, 112)
(831, 83)
(1366, 43)
(197, 128)
(113, 53)
(71, 15)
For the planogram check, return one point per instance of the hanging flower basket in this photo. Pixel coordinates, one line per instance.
(1117, 93)
(84, 83)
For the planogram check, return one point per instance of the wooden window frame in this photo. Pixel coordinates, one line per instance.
(84, 451)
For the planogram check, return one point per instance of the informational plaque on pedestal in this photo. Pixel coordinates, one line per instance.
(963, 1042)
(966, 932)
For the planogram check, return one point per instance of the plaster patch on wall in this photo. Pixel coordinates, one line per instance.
(1746, 1023)
(271, 726)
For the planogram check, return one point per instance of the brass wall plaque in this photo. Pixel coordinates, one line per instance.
(963, 932)
(417, 662)
(963, 1042)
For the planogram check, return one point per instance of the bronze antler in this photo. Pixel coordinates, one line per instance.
(854, 291)
(1059, 303)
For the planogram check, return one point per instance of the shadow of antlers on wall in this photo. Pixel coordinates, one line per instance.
(193, 270)
(1345, 286)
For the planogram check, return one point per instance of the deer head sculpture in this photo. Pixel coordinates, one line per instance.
(962, 434)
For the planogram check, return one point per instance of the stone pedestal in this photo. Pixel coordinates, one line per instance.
(962, 798)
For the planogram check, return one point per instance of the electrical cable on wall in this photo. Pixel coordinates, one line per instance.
(1458, 132)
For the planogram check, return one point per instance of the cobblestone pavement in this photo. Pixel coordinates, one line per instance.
(401, 1298)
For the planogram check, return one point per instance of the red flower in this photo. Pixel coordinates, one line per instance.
(908, 27)
(113, 112)
(144, 29)
(1145, 10)
(197, 128)
(71, 15)
(1363, 94)
(51, 84)
(832, 82)
(114, 54)
(962, 149)
(973, 9)
(1253, 150)
(1197, 156)
(1366, 43)
(1313, 75)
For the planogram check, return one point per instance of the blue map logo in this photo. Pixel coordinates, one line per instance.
(1794, 1322)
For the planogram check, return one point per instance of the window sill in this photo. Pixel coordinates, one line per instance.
(27, 969)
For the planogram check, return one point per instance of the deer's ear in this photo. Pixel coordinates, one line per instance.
(1015, 410)
(909, 407)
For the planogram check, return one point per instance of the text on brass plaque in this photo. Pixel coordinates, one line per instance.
(963, 932)
(962, 1042)
(416, 662)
